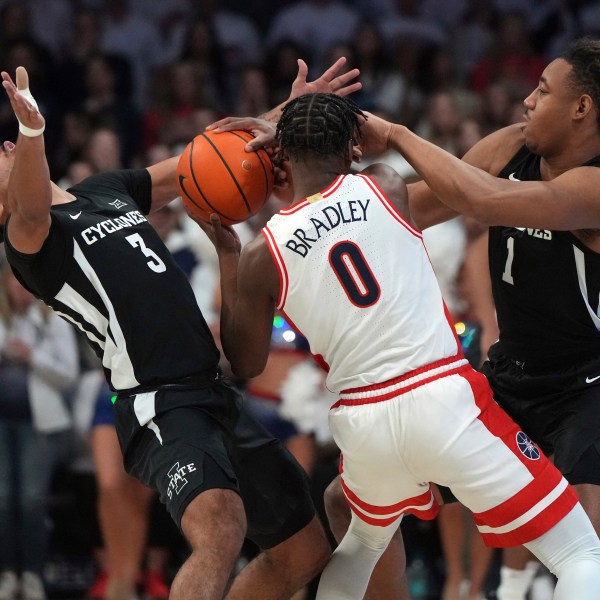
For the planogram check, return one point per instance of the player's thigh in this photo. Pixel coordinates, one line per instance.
(274, 487)
(181, 456)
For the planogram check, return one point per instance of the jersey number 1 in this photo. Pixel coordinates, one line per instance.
(507, 275)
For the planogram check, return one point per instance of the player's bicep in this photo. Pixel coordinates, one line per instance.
(27, 236)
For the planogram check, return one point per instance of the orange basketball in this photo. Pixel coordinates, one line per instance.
(215, 174)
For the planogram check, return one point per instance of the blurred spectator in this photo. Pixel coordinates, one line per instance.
(383, 87)
(473, 36)
(408, 21)
(74, 140)
(553, 24)
(14, 23)
(137, 38)
(82, 43)
(38, 363)
(253, 93)
(103, 151)
(439, 74)
(440, 121)
(27, 52)
(238, 36)
(202, 50)
(107, 102)
(170, 118)
(76, 172)
(281, 67)
(512, 58)
(51, 22)
(496, 102)
(316, 25)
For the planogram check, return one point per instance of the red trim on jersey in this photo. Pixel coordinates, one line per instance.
(318, 357)
(295, 207)
(279, 263)
(333, 186)
(380, 397)
(389, 205)
(546, 481)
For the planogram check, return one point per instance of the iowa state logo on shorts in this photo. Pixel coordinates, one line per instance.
(527, 447)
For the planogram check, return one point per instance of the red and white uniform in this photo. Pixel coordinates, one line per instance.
(356, 281)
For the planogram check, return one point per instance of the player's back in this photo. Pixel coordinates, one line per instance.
(356, 281)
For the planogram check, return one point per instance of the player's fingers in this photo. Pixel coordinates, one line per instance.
(22, 79)
(343, 78)
(231, 123)
(223, 124)
(302, 73)
(260, 140)
(332, 71)
(349, 89)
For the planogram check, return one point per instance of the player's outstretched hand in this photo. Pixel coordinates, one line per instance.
(330, 82)
(25, 110)
(223, 237)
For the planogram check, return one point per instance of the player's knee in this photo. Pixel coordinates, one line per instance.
(302, 556)
(215, 515)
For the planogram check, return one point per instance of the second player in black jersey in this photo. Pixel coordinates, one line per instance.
(536, 185)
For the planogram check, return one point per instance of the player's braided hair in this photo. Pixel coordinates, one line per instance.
(318, 124)
(584, 57)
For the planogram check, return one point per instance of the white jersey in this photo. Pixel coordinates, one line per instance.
(356, 281)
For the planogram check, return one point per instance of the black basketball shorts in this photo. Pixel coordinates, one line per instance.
(558, 408)
(204, 438)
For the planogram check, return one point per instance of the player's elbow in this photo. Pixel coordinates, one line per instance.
(246, 367)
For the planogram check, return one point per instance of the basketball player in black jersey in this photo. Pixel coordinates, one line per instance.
(91, 255)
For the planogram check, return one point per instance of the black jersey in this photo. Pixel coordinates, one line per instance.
(104, 268)
(546, 286)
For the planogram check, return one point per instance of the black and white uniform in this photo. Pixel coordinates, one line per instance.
(181, 426)
(545, 368)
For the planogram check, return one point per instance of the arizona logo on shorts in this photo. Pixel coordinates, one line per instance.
(527, 447)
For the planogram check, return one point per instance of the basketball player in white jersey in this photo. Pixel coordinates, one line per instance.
(347, 267)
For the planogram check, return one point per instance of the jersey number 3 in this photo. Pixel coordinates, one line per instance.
(157, 265)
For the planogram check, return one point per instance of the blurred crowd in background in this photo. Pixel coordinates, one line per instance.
(126, 83)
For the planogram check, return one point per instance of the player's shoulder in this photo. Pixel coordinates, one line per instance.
(110, 180)
(493, 152)
(392, 184)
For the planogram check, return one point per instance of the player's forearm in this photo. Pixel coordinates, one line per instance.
(460, 186)
(29, 187)
(228, 266)
(164, 182)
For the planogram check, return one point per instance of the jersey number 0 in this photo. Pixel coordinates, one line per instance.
(354, 274)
